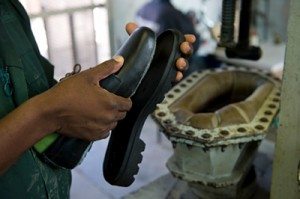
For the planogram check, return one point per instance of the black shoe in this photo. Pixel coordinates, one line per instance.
(124, 149)
(138, 52)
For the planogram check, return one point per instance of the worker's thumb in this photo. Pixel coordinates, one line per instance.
(107, 68)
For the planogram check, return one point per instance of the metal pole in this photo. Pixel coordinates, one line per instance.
(245, 23)
(285, 179)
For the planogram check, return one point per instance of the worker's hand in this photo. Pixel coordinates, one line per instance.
(186, 48)
(83, 109)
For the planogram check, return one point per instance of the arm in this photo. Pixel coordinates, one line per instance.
(76, 107)
(20, 129)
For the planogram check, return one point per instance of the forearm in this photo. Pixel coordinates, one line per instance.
(21, 129)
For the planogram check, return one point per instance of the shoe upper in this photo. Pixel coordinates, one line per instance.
(138, 52)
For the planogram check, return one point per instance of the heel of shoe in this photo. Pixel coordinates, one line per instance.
(125, 179)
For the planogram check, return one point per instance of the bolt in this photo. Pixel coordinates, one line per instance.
(189, 146)
(174, 144)
(205, 149)
(223, 148)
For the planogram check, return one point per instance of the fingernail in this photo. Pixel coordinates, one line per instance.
(118, 58)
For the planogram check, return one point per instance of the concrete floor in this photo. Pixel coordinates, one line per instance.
(88, 181)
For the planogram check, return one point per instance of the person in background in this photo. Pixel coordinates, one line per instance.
(160, 15)
(33, 105)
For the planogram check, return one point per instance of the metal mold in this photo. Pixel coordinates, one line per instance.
(241, 132)
(217, 158)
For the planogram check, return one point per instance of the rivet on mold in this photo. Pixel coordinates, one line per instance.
(190, 132)
(263, 119)
(177, 90)
(224, 132)
(272, 106)
(241, 130)
(206, 136)
(183, 85)
(189, 80)
(268, 112)
(259, 127)
(170, 96)
(161, 114)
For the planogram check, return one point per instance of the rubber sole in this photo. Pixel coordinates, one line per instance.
(124, 149)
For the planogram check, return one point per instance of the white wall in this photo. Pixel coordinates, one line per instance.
(121, 12)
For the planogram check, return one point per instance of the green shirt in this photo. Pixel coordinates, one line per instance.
(23, 74)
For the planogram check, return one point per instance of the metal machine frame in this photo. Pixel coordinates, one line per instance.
(285, 178)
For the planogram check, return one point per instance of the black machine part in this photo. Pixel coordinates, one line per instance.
(242, 48)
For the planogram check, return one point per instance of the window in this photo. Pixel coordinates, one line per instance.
(70, 31)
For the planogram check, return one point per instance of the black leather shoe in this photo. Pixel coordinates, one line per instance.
(138, 52)
(124, 149)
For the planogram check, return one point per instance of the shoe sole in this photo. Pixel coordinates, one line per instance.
(124, 149)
